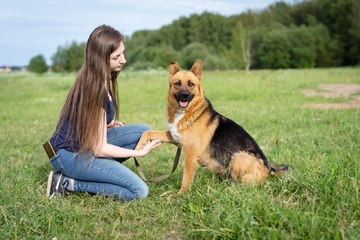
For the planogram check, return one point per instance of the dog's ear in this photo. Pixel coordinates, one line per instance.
(197, 69)
(174, 68)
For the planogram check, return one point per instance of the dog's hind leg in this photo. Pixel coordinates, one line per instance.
(247, 168)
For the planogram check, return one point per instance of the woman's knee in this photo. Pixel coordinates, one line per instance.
(143, 192)
(143, 127)
(140, 192)
(139, 129)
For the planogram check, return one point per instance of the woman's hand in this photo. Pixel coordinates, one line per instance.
(104, 149)
(150, 145)
(115, 124)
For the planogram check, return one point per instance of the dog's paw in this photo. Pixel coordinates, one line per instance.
(141, 144)
(182, 191)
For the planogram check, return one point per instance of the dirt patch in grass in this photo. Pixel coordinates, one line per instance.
(350, 91)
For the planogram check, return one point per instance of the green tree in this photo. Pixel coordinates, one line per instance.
(342, 17)
(199, 51)
(280, 12)
(303, 51)
(59, 59)
(176, 34)
(68, 58)
(143, 58)
(213, 30)
(334, 40)
(274, 50)
(354, 31)
(76, 53)
(256, 35)
(325, 55)
(38, 64)
(241, 46)
(166, 55)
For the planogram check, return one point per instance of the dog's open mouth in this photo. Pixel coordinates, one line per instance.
(184, 97)
(183, 104)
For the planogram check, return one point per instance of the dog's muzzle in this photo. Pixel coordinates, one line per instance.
(184, 97)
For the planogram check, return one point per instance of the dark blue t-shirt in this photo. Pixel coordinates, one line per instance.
(58, 138)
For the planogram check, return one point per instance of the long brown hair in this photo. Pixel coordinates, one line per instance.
(85, 101)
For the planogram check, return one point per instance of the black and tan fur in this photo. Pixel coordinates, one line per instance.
(207, 137)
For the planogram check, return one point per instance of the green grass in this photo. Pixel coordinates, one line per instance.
(319, 199)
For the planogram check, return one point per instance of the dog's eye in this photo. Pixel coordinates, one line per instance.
(178, 83)
(190, 84)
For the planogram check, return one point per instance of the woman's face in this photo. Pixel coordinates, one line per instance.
(117, 58)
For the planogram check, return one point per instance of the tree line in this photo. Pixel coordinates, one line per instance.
(305, 34)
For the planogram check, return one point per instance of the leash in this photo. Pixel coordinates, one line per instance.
(163, 177)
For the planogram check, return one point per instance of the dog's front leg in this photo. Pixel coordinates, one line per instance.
(189, 170)
(164, 136)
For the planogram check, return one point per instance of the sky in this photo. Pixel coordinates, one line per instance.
(32, 27)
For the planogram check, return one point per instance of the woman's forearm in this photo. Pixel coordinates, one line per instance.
(109, 150)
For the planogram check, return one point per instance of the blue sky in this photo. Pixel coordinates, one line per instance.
(32, 27)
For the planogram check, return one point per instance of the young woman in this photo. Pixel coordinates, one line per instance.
(90, 142)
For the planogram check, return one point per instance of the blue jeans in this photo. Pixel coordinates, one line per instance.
(105, 175)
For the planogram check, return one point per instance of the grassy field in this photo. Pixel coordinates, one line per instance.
(318, 199)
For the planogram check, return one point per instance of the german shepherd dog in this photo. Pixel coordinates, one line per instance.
(207, 137)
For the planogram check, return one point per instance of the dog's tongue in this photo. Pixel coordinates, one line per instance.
(183, 104)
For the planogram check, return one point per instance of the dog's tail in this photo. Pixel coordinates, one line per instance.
(278, 170)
